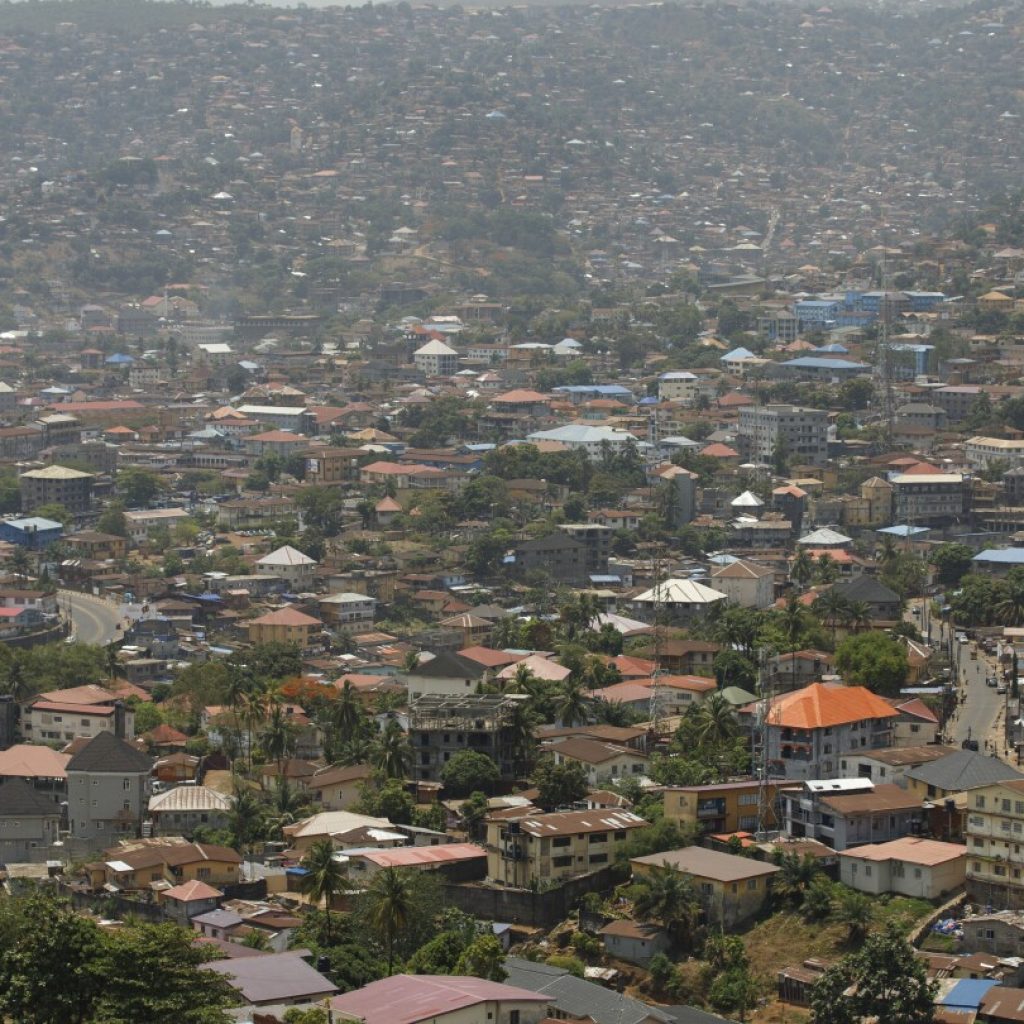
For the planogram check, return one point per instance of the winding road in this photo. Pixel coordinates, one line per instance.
(93, 620)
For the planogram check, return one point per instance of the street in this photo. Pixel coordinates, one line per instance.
(93, 620)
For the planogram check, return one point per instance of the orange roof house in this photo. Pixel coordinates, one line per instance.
(820, 707)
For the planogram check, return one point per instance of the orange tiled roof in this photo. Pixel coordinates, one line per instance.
(818, 706)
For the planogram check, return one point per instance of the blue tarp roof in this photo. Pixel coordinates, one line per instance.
(903, 530)
(967, 994)
(823, 363)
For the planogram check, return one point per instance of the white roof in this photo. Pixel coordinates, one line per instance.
(926, 478)
(286, 555)
(839, 785)
(678, 591)
(578, 433)
(824, 537)
(349, 597)
(216, 348)
(435, 348)
(190, 798)
(271, 410)
(329, 823)
(747, 500)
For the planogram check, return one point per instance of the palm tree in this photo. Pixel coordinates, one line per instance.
(666, 896)
(832, 607)
(853, 909)
(390, 905)
(347, 712)
(1010, 609)
(802, 568)
(795, 876)
(393, 755)
(521, 741)
(254, 709)
(522, 680)
(324, 878)
(410, 662)
(246, 822)
(715, 721)
(571, 706)
(887, 552)
(825, 569)
(358, 750)
(858, 615)
(278, 737)
(286, 806)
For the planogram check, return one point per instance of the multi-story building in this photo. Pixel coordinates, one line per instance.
(56, 485)
(440, 727)
(347, 609)
(849, 812)
(801, 433)
(808, 730)
(563, 557)
(980, 452)
(108, 790)
(920, 498)
(76, 713)
(436, 359)
(140, 522)
(285, 626)
(555, 847)
(724, 807)
(995, 845)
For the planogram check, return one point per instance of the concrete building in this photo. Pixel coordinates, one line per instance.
(347, 609)
(724, 807)
(29, 823)
(445, 675)
(731, 889)
(980, 452)
(920, 868)
(929, 498)
(56, 485)
(436, 359)
(603, 762)
(108, 790)
(682, 600)
(553, 848)
(291, 565)
(802, 434)
(746, 584)
(141, 521)
(286, 626)
(183, 809)
(995, 836)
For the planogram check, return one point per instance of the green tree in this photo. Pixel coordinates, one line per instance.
(138, 486)
(884, 980)
(154, 973)
(853, 909)
(390, 907)
(796, 875)
(393, 755)
(952, 562)
(49, 941)
(873, 659)
(558, 785)
(387, 798)
(469, 770)
(572, 704)
(324, 878)
(113, 521)
(667, 897)
(483, 958)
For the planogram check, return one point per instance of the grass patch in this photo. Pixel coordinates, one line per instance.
(935, 943)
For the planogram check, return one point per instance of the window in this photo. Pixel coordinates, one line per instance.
(1005, 806)
(561, 841)
(752, 884)
(706, 889)
(917, 872)
(979, 802)
(204, 874)
(599, 858)
(562, 862)
(749, 799)
(513, 1017)
(126, 784)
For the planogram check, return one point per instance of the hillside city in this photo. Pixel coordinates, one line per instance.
(511, 514)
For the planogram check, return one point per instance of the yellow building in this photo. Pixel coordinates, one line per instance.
(725, 807)
(995, 844)
(286, 626)
(159, 863)
(731, 889)
(555, 847)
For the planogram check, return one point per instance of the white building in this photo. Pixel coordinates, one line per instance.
(980, 451)
(746, 584)
(680, 599)
(921, 868)
(802, 434)
(436, 359)
(590, 439)
(291, 565)
(347, 608)
(139, 523)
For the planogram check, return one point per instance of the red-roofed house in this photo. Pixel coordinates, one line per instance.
(286, 626)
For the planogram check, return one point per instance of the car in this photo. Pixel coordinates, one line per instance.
(970, 745)
(1001, 689)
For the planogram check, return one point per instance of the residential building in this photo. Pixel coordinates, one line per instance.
(575, 999)
(590, 439)
(885, 603)
(960, 771)
(725, 807)
(891, 765)
(78, 712)
(436, 359)
(294, 418)
(445, 675)
(274, 979)
(301, 835)
(731, 889)
(454, 862)
(563, 557)
(994, 830)
(56, 485)
(441, 726)
(980, 451)
(745, 583)
(183, 809)
(552, 848)
(291, 565)
(597, 540)
(920, 868)
(680, 600)
(808, 730)
(286, 626)
(850, 812)
(338, 787)
(440, 999)
(1000, 932)
(44, 768)
(347, 609)
(603, 762)
(634, 941)
(108, 789)
(929, 498)
(142, 521)
(29, 823)
(140, 863)
(32, 532)
(800, 434)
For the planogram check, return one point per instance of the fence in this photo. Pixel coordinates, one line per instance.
(525, 906)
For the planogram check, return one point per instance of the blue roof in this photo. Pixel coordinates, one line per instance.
(967, 993)
(34, 523)
(835, 348)
(739, 353)
(823, 363)
(594, 389)
(119, 358)
(649, 400)
(815, 303)
(1001, 556)
(903, 531)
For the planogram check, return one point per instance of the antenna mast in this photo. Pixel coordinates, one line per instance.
(765, 810)
(886, 369)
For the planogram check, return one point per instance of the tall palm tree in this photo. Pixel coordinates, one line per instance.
(358, 750)
(858, 615)
(278, 738)
(802, 568)
(854, 910)
(667, 897)
(347, 712)
(521, 740)
(390, 905)
(254, 710)
(795, 876)
(246, 821)
(832, 607)
(572, 704)
(324, 878)
(522, 680)
(825, 569)
(393, 755)
(715, 721)
(887, 552)
(1011, 608)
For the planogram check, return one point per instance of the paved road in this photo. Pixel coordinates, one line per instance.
(93, 620)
